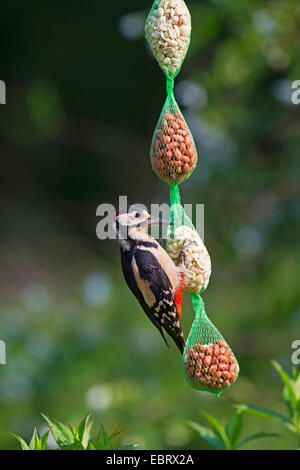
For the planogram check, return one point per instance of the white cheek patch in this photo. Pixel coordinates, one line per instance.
(123, 219)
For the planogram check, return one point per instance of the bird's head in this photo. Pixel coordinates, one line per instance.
(133, 222)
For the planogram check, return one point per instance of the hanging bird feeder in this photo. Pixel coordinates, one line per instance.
(208, 362)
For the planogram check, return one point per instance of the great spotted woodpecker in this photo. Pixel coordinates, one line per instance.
(150, 273)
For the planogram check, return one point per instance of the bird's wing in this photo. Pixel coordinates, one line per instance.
(155, 287)
(132, 284)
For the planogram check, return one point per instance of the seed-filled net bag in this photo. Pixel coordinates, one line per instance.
(168, 31)
(208, 362)
(183, 234)
(173, 152)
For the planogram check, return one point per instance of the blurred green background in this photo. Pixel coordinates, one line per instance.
(83, 97)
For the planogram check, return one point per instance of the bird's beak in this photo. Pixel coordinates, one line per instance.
(158, 221)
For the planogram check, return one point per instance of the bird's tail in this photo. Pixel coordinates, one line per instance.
(177, 337)
(163, 336)
(180, 342)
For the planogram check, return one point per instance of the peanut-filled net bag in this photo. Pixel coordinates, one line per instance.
(208, 362)
(168, 31)
(173, 152)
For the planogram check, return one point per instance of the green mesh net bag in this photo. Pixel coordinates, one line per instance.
(168, 31)
(182, 231)
(208, 362)
(173, 152)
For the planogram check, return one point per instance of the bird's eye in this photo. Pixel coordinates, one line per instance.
(137, 214)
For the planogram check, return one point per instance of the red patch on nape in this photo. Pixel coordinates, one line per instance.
(179, 294)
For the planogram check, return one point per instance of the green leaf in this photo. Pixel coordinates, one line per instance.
(83, 425)
(218, 430)
(234, 427)
(257, 435)
(62, 434)
(102, 440)
(264, 412)
(22, 442)
(96, 444)
(76, 445)
(295, 373)
(290, 393)
(44, 440)
(206, 434)
(91, 446)
(74, 432)
(297, 387)
(35, 441)
(84, 430)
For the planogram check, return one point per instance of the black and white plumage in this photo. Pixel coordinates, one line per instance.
(150, 273)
